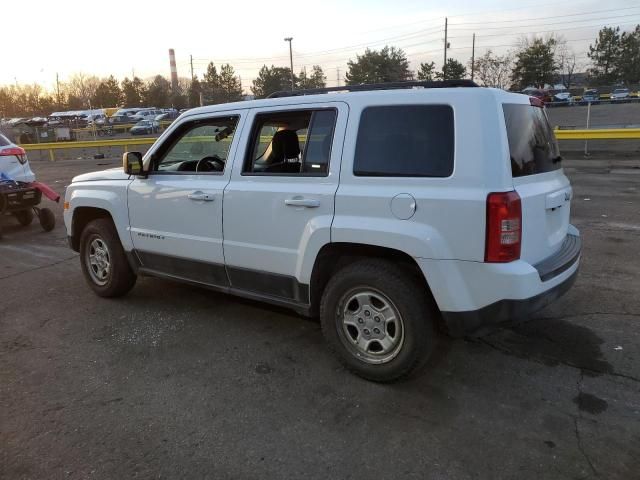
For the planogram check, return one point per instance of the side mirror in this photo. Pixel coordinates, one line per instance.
(132, 163)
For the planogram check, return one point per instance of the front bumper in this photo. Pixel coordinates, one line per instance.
(472, 295)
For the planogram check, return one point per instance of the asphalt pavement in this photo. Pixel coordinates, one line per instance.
(179, 382)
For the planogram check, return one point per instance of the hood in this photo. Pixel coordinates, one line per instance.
(110, 174)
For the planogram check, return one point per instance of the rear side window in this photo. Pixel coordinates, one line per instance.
(532, 145)
(3, 141)
(405, 141)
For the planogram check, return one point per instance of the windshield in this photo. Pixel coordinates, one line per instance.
(621, 90)
(532, 144)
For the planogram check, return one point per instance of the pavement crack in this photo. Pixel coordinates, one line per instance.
(576, 427)
(38, 268)
(559, 361)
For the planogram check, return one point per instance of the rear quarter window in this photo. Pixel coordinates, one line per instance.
(405, 141)
(532, 145)
(3, 141)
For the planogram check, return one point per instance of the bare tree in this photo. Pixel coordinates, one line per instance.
(83, 87)
(494, 70)
(567, 64)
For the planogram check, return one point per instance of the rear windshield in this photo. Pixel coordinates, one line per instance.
(3, 141)
(532, 145)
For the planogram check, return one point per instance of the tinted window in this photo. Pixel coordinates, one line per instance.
(405, 141)
(3, 141)
(532, 145)
(291, 143)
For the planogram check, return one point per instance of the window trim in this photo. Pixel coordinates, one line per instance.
(402, 175)
(175, 136)
(249, 151)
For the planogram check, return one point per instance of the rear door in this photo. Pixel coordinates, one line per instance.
(538, 178)
(279, 204)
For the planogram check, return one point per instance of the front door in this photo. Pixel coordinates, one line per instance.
(279, 204)
(176, 212)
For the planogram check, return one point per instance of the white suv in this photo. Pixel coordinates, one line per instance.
(387, 211)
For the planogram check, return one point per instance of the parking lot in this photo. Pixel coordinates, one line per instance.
(178, 382)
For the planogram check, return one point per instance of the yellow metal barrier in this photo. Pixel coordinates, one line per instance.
(51, 147)
(599, 134)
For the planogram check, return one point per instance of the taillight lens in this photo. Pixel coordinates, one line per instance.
(504, 227)
(17, 151)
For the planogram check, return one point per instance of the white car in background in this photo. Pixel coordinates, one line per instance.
(13, 162)
(620, 94)
(563, 96)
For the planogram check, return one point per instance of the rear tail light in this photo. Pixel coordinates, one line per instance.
(17, 151)
(536, 102)
(504, 227)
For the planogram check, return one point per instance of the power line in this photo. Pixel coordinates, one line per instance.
(544, 18)
(600, 22)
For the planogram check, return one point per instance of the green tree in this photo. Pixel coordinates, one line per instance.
(317, 79)
(387, 65)
(211, 91)
(605, 56)
(194, 92)
(535, 63)
(493, 70)
(158, 92)
(271, 79)
(230, 86)
(427, 71)
(108, 93)
(628, 62)
(453, 70)
(133, 91)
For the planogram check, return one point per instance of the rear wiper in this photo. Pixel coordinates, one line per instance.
(557, 159)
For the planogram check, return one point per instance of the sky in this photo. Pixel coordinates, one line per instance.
(126, 37)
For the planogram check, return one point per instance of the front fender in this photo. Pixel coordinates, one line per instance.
(108, 196)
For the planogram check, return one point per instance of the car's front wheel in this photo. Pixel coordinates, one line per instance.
(104, 263)
(379, 320)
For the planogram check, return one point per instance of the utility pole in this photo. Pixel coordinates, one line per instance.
(58, 90)
(191, 62)
(473, 56)
(446, 45)
(338, 77)
(289, 39)
(304, 84)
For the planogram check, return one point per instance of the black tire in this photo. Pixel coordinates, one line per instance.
(120, 278)
(406, 294)
(24, 217)
(47, 219)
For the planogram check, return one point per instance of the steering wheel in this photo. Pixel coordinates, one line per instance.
(210, 164)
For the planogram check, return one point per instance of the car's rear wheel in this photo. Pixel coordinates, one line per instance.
(379, 320)
(104, 263)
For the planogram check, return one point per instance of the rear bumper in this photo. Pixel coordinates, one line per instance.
(461, 323)
(471, 295)
(17, 196)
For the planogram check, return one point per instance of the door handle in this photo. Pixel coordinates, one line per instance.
(201, 196)
(302, 202)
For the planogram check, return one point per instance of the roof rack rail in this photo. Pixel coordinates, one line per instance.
(376, 86)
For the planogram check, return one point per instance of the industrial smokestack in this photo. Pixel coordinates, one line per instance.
(174, 70)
